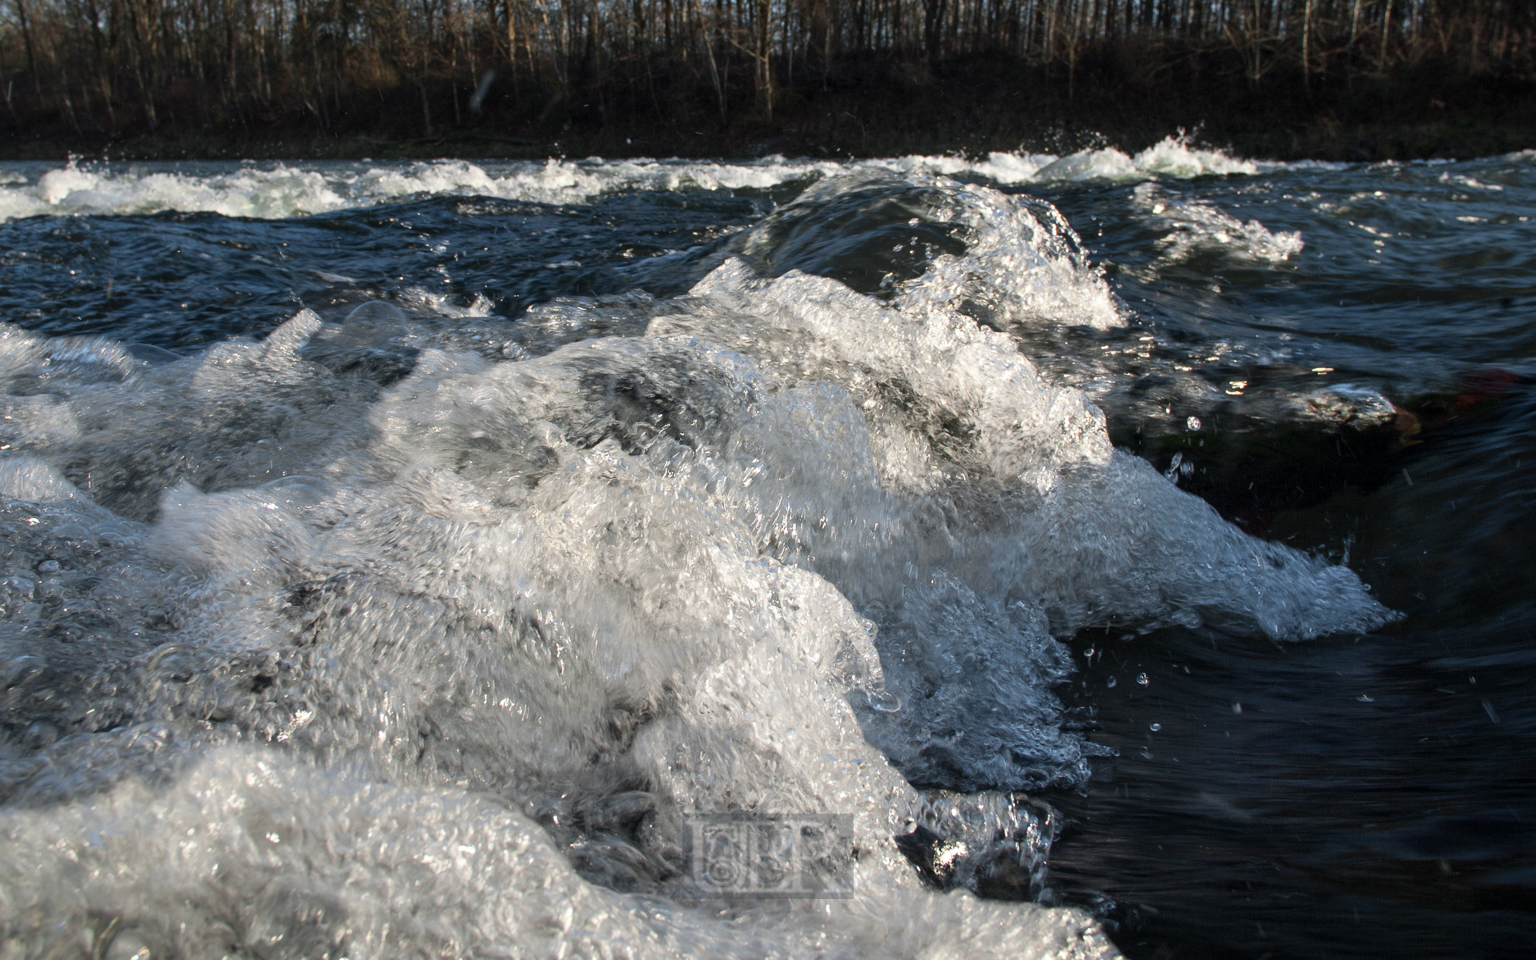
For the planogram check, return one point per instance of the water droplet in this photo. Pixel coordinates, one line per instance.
(1237, 708)
(1173, 466)
(1143, 679)
(1156, 727)
(883, 701)
(1111, 682)
(1193, 423)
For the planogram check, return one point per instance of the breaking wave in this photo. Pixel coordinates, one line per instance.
(284, 190)
(411, 634)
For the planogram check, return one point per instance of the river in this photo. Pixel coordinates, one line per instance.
(1008, 556)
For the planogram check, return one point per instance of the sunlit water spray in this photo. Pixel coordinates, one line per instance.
(408, 629)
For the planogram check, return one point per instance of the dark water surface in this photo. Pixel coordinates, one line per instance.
(1372, 796)
(1341, 359)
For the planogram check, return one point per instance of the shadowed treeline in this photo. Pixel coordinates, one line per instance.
(98, 70)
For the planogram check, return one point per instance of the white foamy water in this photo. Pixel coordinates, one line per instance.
(432, 633)
(299, 189)
(1194, 227)
(1022, 265)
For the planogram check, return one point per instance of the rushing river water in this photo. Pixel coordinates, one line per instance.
(1026, 557)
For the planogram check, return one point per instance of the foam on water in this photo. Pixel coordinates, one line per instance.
(1006, 261)
(1196, 228)
(999, 167)
(1174, 157)
(287, 190)
(431, 634)
(246, 192)
(252, 855)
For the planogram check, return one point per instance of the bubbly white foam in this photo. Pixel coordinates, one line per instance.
(406, 634)
(245, 192)
(299, 189)
(1195, 227)
(1105, 164)
(1174, 157)
(252, 854)
(999, 167)
(1024, 264)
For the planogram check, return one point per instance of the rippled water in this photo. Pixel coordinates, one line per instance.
(405, 559)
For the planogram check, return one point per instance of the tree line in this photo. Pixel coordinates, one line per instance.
(428, 66)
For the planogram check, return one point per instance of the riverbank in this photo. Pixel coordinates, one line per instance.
(883, 109)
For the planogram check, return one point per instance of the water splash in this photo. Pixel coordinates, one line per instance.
(1196, 228)
(401, 588)
(277, 190)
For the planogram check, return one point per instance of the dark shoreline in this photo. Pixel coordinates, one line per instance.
(885, 109)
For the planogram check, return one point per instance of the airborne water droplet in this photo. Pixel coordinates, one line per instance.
(883, 701)
(1111, 682)
(1173, 465)
(1156, 727)
(1142, 679)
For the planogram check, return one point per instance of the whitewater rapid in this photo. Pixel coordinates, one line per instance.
(274, 190)
(401, 633)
